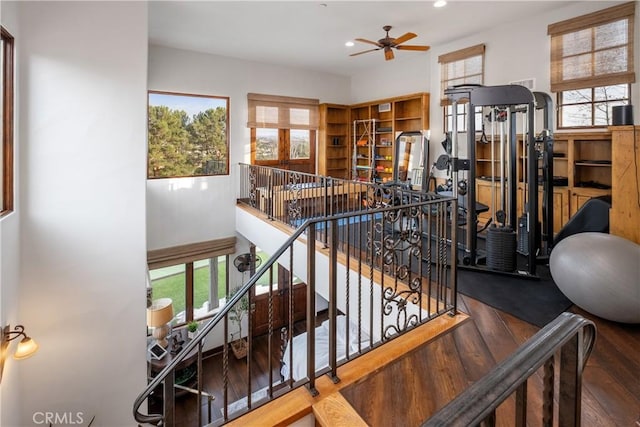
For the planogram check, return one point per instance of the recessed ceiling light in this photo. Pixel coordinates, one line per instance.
(440, 3)
(349, 44)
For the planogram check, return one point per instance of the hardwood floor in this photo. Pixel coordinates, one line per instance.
(410, 389)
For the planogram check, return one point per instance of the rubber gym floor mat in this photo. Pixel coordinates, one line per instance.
(535, 301)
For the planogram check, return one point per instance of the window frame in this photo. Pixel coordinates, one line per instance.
(464, 114)
(560, 104)
(193, 95)
(190, 253)
(445, 60)
(282, 122)
(593, 82)
(8, 88)
(215, 300)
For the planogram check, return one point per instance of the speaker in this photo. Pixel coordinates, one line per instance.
(622, 115)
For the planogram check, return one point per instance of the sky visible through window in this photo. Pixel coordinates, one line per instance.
(189, 104)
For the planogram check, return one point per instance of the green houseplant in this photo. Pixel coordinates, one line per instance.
(236, 314)
(192, 327)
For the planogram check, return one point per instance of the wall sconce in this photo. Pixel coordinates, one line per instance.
(26, 347)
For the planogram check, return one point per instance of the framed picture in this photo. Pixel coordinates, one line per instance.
(157, 351)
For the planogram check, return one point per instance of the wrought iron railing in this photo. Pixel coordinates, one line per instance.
(389, 270)
(292, 197)
(565, 343)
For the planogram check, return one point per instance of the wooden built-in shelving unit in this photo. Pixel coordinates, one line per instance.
(391, 116)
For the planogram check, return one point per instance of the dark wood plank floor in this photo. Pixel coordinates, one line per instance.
(412, 388)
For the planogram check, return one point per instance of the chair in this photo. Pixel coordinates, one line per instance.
(593, 216)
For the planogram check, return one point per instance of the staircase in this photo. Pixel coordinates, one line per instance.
(380, 260)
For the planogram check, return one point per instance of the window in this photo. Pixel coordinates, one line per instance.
(590, 107)
(194, 287)
(592, 65)
(194, 276)
(6, 117)
(187, 135)
(461, 117)
(283, 131)
(464, 66)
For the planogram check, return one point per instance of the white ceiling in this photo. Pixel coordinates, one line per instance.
(312, 34)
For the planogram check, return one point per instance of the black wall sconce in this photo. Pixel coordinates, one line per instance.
(26, 347)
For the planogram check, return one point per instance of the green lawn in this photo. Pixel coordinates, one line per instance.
(170, 282)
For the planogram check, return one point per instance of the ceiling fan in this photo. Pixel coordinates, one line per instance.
(387, 43)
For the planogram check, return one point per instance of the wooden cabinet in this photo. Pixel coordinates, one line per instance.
(561, 204)
(483, 195)
(585, 159)
(625, 200)
(582, 161)
(333, 141)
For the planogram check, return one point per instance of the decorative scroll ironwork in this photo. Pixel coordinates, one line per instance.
(253, 188)
(401, 252)
(294, 208)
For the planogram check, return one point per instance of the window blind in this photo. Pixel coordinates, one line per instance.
(464, 66)
(593, 50)
(282, 112)
(190, 252)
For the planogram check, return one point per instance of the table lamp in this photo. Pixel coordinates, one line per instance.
(159, 314)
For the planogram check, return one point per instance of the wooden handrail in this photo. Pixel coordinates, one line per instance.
(570, 333)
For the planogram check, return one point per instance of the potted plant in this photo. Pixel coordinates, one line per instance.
(236, 314)
(192, 327)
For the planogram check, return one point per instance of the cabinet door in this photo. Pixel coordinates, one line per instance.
(560, 208)
(579, 197)
(560, 205)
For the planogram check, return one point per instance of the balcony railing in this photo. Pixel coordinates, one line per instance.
(561, 348)
(389, 270)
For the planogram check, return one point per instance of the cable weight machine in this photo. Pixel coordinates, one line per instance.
(526, 234)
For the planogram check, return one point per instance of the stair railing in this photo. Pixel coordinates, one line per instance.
(396, 269)
(570, 334)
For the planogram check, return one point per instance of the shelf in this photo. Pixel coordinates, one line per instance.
(597, 163)
(334, 142)
(409, 118)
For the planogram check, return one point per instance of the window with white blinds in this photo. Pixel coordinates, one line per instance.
(593, 50)
(282, 112)
(592, 65)
(464, 66)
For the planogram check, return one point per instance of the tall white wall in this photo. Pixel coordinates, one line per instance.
(408, 73)
(82, 96)
(10, 255)
(189, 210)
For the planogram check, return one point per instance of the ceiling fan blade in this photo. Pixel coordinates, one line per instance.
(388, 53)
(369, 41)
(364, 51)
(403, 38)
(413, 47)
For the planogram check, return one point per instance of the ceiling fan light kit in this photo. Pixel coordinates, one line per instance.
(387, 44)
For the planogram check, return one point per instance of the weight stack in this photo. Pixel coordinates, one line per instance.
(501, 249)
(523, 235)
